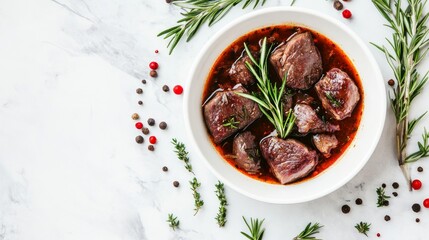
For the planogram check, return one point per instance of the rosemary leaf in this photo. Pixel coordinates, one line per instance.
(256, 232)
(406, 50)
(269, 100)
(381, 197)
(308, 232)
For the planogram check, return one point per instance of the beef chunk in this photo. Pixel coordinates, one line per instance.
(288, 159)
(287, 103)
(246, 152)
(239, 72)
(308, 121)
(300, 59)
(338, 93)
(226, 113)
(304, 98)
(325, 143)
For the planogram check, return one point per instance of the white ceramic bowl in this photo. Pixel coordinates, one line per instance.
(355, 157)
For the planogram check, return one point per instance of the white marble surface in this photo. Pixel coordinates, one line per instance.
(69, 166)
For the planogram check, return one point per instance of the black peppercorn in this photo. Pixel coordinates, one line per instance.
(416, 207)
(419, 169)
(165, 169)
(144, 81)
(391, 82)
(139, 139)
(386, 203)
(139, 91)
(153, 74)
(345, 209)
(163, 125)
(338, 5)
(168, 1)
(176, 184)
(383, 185)
(395, 194)
(145, 131)
(165, 88)
(151, 121)
(358, 201)
(395, 185)
(140, 102)
(387, 218)
(417, 220)
(151, 148)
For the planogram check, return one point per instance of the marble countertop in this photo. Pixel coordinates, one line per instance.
(69, 164)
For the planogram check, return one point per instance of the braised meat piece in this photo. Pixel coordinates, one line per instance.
(304, 98)
(338, 93)
(308, 121)
(226, 113)
(287, 103)
(325, 143)
(246, 152)
(239, 72)
(289, 159)
(300, 59)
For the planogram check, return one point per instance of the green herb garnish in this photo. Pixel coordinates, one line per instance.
(309, 230)
(173, 222)
(335, 102)
(363, 228)
(198, 203)
(381, 197)
(220, 194)
(270, 99)
(182, 154)
(231, 123)
(406, 50)
(256, 232)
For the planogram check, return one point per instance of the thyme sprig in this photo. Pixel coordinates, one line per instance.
(335, 102)
(363, 228)
(182, 154)
(220, 194)
(196, 13)
(308, 232)
(198, 203)
(406, 50)
(270, 99)
(256, 232)
(381, 197)
(173, 222)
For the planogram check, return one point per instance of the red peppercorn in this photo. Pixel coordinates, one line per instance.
(178, 89)
(347, 14)
(416, 184)
(139, 125)
(426, 203)
(378, 234)
(153, 65)
(152, 139)
(156, 51)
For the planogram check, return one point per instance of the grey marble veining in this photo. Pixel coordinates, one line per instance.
(69, 165)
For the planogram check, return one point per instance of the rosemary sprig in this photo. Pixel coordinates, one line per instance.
(182, 154)
(198, 203)
(172, 221)
(407, 50)
(220, 194)
(335, 102)
(363, 228)
(256, 232)
(196, 13)
(231, 122)
(270, 99)
(381, 197)
(309, 230)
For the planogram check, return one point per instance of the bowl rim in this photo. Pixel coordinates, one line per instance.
(376, 135)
